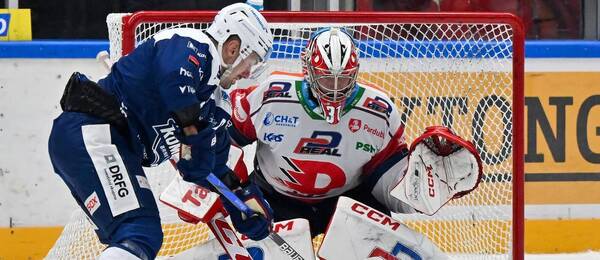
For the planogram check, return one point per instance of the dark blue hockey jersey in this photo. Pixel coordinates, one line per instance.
(173, 70)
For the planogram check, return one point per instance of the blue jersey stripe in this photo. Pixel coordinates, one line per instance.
(51, 49)
(291, 49)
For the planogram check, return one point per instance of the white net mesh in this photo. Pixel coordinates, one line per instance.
(458, 75)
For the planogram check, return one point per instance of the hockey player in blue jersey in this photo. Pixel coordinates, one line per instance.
(166, 92)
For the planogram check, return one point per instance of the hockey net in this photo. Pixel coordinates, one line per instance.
(460, 70)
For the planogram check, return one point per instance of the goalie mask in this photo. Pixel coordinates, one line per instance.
(330, 65)
(256, 39)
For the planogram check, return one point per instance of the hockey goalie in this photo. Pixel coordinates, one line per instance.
(321, 135)
(332, 150)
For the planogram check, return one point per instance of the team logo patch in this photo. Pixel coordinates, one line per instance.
(187, 89)
(278, 89)
(396, 253)
(273, 137)
(194, 60)
(378, 104)
(92, 203)
(373, 131)
(119, 192)
(360, 146)
(191, 46)
(165, 143)
(238, 111)
(239, 114)
(354, 125)
(184, 72)
(311, 178)
(320, 143)
(280, 120)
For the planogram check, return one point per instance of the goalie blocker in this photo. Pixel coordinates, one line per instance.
(441, 166)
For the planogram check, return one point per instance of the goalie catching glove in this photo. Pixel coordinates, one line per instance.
(441, 166)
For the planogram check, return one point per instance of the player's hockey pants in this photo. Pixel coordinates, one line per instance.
(105, 176)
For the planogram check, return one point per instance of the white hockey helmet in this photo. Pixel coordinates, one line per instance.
(330, 65)
(248, 24)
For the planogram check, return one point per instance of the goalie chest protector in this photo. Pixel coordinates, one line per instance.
(298, 152)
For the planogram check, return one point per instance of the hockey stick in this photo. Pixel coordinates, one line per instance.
(226, 236)
(195, 204)
(240, 205)
(103, 58)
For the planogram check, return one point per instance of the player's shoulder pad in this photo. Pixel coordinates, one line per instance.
(376, 99)
(192, 33)
(201, 45)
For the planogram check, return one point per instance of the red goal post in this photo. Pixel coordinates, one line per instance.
(463, 70)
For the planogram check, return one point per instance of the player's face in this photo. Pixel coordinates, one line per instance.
(334, 88)
(231, 51)
(241, 70)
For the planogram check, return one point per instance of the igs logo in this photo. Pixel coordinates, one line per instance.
(320, 142)
(280, 120)
(4, 23)
(272, 137)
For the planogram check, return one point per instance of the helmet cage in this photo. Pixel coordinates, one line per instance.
(332, 86)
(328, 83)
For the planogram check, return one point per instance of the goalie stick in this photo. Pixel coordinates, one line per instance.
(239, 204)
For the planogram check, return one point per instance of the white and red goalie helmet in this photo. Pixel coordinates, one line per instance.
(330, 65)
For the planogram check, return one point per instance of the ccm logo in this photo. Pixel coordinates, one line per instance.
(430, 181)
(375, 216)
(277, 227)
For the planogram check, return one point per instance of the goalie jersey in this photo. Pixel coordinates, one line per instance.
(304, 157)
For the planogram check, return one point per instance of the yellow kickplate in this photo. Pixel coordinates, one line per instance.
(562, 236)
(541, 237)
(27, 242)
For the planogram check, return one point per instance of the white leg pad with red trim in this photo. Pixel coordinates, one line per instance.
(357, 231)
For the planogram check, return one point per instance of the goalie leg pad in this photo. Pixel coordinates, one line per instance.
(102, 172)
(367, 233)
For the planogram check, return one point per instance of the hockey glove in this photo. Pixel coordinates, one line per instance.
(255, 227)
(197, 157)
(222, 153)
(441, 166)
